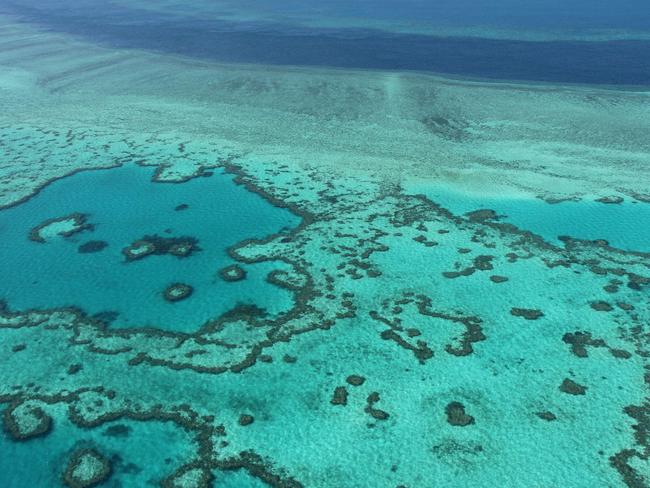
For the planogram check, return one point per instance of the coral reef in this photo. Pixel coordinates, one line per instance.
(86, 468)
(177, 292)
(180, 247)
(65, 226)
(232, 273)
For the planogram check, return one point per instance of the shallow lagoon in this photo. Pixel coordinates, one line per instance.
(622, 224)
(124, 205)
(141, 453)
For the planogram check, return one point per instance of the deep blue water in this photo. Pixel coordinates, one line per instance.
(610, 62)
(519, 14)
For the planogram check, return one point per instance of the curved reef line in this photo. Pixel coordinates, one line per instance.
(402, 213)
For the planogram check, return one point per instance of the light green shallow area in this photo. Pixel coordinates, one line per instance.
(491, 355)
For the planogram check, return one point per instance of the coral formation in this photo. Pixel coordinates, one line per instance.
(177, 292)
(154, 244)
(65, 226)
(86, 468)
(232, 273)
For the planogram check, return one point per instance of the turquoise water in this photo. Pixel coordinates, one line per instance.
(237, 479)
(402, 346)
(623, 225)
(124, 205)
(141, 453)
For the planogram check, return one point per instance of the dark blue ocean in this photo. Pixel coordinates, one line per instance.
(285, 35)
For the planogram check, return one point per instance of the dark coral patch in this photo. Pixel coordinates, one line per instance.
(232, 273)
(180, 247)
(457, 274)
(422, 239)
(633, 473)
(245, 419)
(612, 286)
(579, 342)
(498, 279)
(601, 306)
(480, 263)
(572, 388)
(457, 416)
(636, 281)
(620, 353)
(482, 215)
(181, 250)
(92, 246)
(86, 468)
(614, 199)
(340, 396)
(24, 423)
(74, 368)
(483, 262)
(548, 416)
(370, 409)
(601, 242)
(138, 250)
(118, 430)
(421, 350)
(355, 380)
(462, 345)
(80, 221)
(527, 313)
(628, 307)
(177, 292)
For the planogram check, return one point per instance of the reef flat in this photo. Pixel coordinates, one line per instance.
(420, 345)
(181, 115)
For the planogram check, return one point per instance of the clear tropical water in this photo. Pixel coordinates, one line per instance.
(341, 320)
(124, 206)
(139, 450)
(617, 223)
